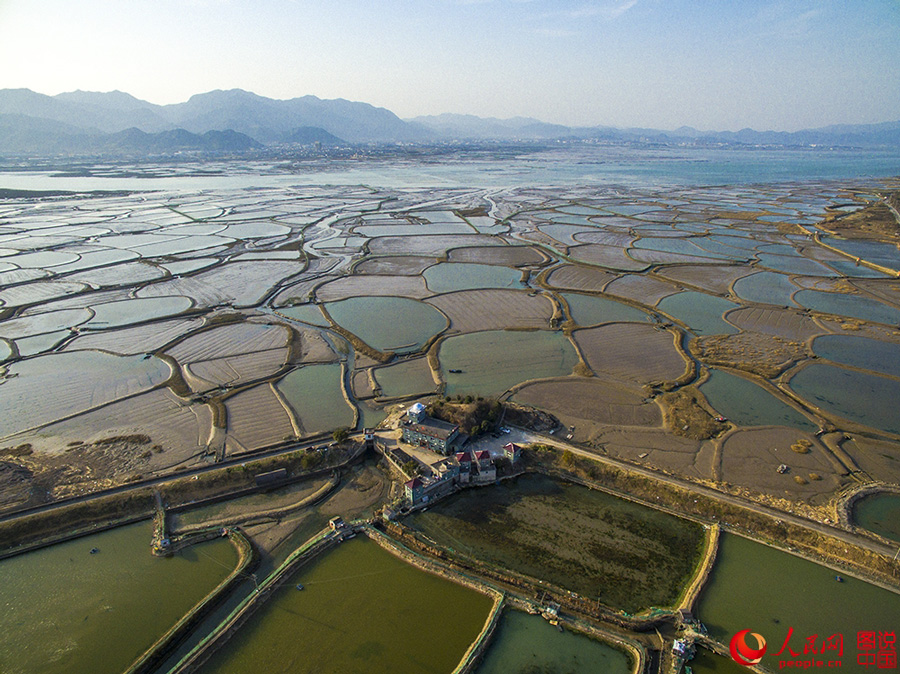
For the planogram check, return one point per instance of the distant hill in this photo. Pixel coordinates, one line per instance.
(81, 122)
(469, 127)
(67, 123)
(463, 127)
(308, 135)
(269, 120)
(20, 134)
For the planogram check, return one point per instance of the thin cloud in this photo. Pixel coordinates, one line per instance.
(609, 11)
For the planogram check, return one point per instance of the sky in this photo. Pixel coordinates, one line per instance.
(711, 64)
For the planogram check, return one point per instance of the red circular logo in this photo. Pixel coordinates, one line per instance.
(743, 653)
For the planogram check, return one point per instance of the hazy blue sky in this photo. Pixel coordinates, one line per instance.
(713, 64)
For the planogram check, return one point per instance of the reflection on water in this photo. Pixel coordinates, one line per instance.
(577, 165)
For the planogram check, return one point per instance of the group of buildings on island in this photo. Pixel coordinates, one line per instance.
(454, 466)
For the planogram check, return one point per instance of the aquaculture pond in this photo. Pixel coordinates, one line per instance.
(314, 392)
(767, 591)
(626, 555)
(748, 404)
(362, 610)
(528, 644)
(852, 306)
(405, 378)
(879, 252)
(490, 362)
(306, 313)
(880, 514)
(68, 610)
(702, 313)
(589, 310)
(388, 323)
(766, 286)
(864, 398)
(57, 385)
(449, 276)
(126, 312)
(869, 354)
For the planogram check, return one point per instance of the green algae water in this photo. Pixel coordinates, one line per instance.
(701, 312)
(64, 610)
(450, 276)
(880, 514)
(528, 644)
(590, 310)
(707, 662)
(767, 591)
(362, 610)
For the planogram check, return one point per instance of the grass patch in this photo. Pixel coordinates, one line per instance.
(765, 355)
(626, 555)
(873, 221)
(687, 414)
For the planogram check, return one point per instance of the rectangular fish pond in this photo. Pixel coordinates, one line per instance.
(627, 555)
(361, 610)
(93, 605)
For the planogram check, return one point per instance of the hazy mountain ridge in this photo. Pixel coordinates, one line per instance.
(117, 122)
(469, 127)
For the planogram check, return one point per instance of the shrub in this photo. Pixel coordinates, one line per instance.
(801, 446)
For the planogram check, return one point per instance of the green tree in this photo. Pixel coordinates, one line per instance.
(341, 434)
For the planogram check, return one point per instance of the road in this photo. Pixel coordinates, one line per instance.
(526, 437)
(152, 482)
(519, 436)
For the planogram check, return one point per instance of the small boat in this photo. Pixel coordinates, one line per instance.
(454, 370)
(839, 579)
(299, 586)
(94, 551)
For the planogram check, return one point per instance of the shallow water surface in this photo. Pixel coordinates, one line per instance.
(490, 362)
(362, 610)
(747, 404)
(767, 591)
(864, 398)
(388, 323)
(528, 644)
(67, 611)
(879, 513)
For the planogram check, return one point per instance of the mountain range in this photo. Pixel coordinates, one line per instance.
(236, 121)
